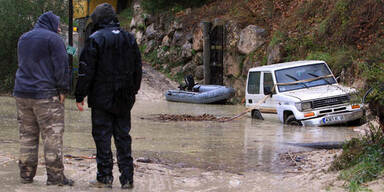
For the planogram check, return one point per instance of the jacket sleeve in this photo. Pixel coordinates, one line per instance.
(137, 75)
(87, 65)
(61, 71)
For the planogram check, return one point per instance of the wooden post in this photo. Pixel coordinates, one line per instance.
(206, 52)
(70, 35)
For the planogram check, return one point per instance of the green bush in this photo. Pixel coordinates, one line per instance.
(19, 17)
(362, 159)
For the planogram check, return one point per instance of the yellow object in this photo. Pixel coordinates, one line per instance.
(75, 29)
(83, 8)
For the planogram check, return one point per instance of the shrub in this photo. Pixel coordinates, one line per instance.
(17, 18)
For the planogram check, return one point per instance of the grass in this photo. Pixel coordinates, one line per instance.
(362, 159)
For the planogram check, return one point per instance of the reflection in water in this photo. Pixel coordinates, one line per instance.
(236, 146)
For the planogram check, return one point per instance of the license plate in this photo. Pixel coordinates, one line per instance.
(333, 118)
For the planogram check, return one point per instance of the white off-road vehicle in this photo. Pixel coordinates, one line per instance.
(301, 93)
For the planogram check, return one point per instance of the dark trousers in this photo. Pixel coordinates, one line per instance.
(104, 125)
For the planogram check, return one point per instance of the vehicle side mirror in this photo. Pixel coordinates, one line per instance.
(267, 91)
(338, 79)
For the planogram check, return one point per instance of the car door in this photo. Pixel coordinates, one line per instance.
(253, 89)
(270, 104)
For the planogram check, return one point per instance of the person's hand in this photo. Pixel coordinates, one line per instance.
(62, 98)
(80, 106)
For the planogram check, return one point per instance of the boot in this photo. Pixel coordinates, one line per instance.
(104, 182)
(128, 185)
(64, 181)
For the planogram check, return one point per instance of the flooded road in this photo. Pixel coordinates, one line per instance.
(238, 148)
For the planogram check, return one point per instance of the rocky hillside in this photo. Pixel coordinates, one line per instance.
(348, 34)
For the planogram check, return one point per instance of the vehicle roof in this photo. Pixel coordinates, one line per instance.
(285, 65)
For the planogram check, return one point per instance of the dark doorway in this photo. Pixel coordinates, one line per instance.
(217, 39)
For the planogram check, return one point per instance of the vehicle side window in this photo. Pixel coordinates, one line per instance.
(268, 81)
(254, 83)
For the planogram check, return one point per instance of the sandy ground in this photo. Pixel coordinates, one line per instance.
(305, 172)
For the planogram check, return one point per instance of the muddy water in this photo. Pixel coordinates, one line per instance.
(237, 146)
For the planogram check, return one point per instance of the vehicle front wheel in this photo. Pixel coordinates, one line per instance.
(291, 120)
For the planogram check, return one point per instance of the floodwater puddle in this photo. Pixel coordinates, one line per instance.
(237, 146)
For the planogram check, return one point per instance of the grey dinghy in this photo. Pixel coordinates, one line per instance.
(201, 94)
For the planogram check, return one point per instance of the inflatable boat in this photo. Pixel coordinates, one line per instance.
(201, 94)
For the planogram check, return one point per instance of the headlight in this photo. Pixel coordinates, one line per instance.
(304, 106)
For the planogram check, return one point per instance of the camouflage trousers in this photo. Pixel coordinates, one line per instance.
(45, 117)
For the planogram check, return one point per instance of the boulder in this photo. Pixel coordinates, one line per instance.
(232, 62)
(186, 51)
(188, 11)
(150, 32)
(188, 68)
(178, 39)
(166, 41)
(198, 39)
(251, 38)
(199, 72)
(177, 25)
(239, 86)
(133, 24)
(232, 36)
(151, 45)
(139, 37)
(274, 54)
(197, 59)
(138, 14)
(248, 63)
(176, 70)
(163, 56)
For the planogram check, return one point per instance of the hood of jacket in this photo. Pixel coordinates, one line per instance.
(48, 21)
(103, 16)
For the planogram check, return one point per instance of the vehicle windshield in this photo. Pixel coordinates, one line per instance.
(300, 73)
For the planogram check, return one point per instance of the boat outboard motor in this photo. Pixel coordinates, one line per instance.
(189, 82)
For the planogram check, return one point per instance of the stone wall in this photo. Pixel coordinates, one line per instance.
(179, 51)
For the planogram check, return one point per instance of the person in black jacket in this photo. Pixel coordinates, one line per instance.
(110, 75)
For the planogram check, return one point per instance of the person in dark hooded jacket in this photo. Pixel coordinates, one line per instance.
(110, 75)
(42, 79)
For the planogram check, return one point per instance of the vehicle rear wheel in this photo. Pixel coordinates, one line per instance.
(291, 120)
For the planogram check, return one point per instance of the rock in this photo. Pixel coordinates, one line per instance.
(175, 55)
(186, 51)
(188, 68)
(199, 72)
(133, 23)
(232, 61)
(274, 54)
(163, 56)
(177, 25)
(138, 15)
(189, 37)
(177, 39)
(197, 59)
(239, 86)
(251, 38)
(233, 31)
(139, 37)
(166, 41)
(188, 11)
(150, 32)
(150, 46)
(198, 39)
(249, 62)
(176, 70)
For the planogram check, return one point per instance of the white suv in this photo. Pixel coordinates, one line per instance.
(301, 93)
